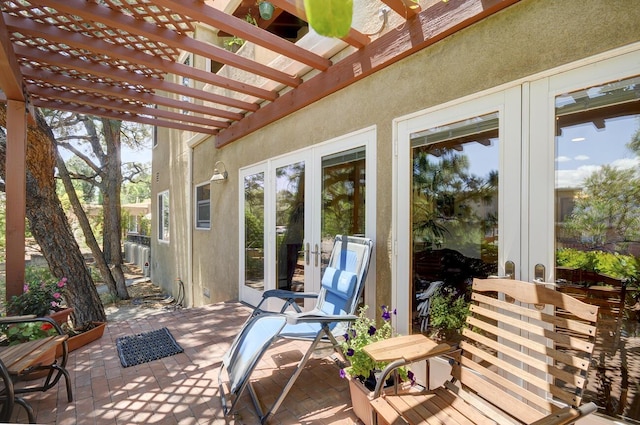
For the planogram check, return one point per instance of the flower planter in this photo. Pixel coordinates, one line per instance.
(360, 399)
(61, 316)
(84, 338)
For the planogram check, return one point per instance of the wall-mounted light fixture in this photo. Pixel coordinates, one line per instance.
(266, 10)
(219, 176)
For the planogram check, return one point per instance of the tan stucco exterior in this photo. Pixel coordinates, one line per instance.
(530, 37)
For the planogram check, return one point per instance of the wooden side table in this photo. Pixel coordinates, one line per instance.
(402, 350)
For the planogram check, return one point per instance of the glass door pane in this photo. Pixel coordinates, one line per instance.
(289, 226)
(454, 214)
(343, 198)
(254, 231)
(597, 227)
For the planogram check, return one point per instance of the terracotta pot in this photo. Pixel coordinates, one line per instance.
(61, 316)
(84, 338)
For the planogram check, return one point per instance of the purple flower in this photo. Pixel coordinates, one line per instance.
(386, 315)
(350, 352)
(343, 374)
(411, 377)
(346, 337)
(372, 330)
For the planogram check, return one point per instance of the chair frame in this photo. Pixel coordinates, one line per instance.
(19, 360)
(281, 320)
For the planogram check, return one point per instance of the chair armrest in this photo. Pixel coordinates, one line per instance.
(567, 415)
(320, 318)
(283, 293)
(11, 319)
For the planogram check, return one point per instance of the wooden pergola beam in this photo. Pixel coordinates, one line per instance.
(429, 27)
(96, 46)
(97, 102)
(107, 72)
(105, 15)
(87, 110)
(198, 10)
(122, 93)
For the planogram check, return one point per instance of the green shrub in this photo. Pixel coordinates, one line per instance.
(449, 309)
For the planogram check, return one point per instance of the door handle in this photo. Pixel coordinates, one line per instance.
(306, 254)
(316, 253)
(539, 272)
(509, 271)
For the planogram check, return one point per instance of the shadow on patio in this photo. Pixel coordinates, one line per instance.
(183, 389)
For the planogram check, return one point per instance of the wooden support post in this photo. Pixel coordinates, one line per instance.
(16, 185)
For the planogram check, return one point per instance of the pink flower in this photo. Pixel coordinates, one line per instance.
(62, 282)
(56, 295)
(25, 288)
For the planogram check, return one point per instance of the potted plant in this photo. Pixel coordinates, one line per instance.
(41, 298)
(82, 335)
(44, 297)
(362, 369)
(448, 313)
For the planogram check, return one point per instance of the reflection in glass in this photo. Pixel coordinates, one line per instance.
(454, 215)
(290, 227)
(254, 231)
(343, 197)
(598, 227)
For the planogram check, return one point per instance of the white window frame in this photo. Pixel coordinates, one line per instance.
(202, 202)
(161, 214)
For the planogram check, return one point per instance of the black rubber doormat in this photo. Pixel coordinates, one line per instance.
(146, 347)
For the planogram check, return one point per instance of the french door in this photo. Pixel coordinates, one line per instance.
(292, 208)
(459, 183)
(506, 183)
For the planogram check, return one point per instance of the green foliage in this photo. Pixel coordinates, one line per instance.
(606, 211)
(449, 310)
(30, 331)
(362, 333)
(445, 196)
(39, 297)
(254, 230)
(613, 264)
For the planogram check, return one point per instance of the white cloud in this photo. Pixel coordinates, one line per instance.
(626, 163)
(574, 178)
(581, 158)
(563, 159)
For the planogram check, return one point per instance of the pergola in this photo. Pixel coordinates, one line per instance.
(111, 58)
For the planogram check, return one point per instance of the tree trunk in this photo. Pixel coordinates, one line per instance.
(86, 227)
(110, 160)
(49, 224)
(112, 212)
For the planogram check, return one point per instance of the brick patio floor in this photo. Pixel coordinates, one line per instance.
(183, 389)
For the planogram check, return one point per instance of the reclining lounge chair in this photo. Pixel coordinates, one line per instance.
(342, 286)
(523, 360)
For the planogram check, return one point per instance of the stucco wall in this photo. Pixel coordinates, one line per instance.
(529, 37)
